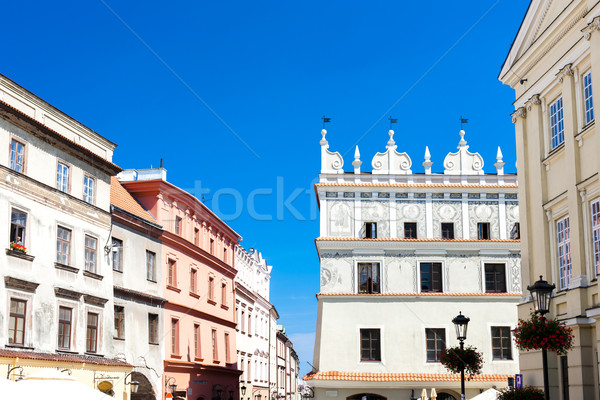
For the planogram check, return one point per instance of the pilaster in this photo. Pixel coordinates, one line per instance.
(429, 216)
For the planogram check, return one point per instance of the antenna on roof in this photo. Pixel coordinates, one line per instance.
(325, 120)
(392, 121)
(463, 121)
(161, 162)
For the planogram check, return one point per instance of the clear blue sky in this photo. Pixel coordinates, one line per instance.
(269, 70)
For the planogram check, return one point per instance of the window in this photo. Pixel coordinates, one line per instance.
(119, 332)
(224, 293)
(483, 231)
(370, 230)
(150, 266)
(515, 232)
(193, 284)
(63, 245)
(211, 288)
(368, 278)
(243, 320)
(117, 255)
(17, 156)
(447, 230)
(595, 206)
(214, 347)
(410, 230)
(153, 328)
(174, 336)
(65, 315)
(501, 343)
(197, 341)
(172, 273)
(212, 246)
(588, 100)
(564, 252)
(557, 127)
(90, 253)
(178, 225)
(18, 226)
(495, 278)
(91, 336)
(196, 236)
(226, 347)
(431, 277)
(16, 322)
(436, 344)
(224, 254)
(62, 177)
(88, 189)
(249, 324)
(370, 345)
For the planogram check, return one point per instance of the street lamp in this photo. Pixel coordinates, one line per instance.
(461, 322)
(243, 388)
(541, 293)
(134, 384)
(309, 393)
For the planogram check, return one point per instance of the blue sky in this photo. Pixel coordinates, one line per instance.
(230, 95)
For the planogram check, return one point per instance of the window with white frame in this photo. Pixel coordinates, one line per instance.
(88, 189)
(595, 209)
(564, 252)
(557, 126)
(588, 99)
(62, 177)
(18, 226)
(90, 253)
(63, 245)
(17, 156)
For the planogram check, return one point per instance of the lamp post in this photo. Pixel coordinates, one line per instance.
(134, 384)
(541, 292)
(461, 322)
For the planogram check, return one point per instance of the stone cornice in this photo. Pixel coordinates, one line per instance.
(520, 112)
(20, 284)
(93, 300)
(533, 101)
(66, 293)
(567, 70)
(591, 28)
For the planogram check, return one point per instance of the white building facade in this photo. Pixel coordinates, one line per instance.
(402, 253)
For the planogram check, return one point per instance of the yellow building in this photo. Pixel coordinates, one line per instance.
(554, 68)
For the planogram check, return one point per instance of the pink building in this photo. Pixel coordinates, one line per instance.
(198, 272)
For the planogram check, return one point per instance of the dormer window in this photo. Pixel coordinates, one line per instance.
(370, 230)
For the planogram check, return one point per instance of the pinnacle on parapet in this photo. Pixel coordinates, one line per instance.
(427, 163)
(391, 142)
(323, 141)
(499, 164)
(356, 163)
(462, 142)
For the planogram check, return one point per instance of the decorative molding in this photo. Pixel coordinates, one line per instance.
(539, 24)
(565, 71)
(390, 161)
(20, 284)
(67, 294)
(65, 267)
(93, 300)
(463, 162)
(331, 163)
(533, 101)
(591, 27)
(92, 275)
(520, 112)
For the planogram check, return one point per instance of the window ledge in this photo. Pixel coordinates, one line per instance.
(552, 153)
(65, 351)
(211, 301)
(19, 254)
(118, 270)
(216, 362)
(65, 267)
(224, 307)
(91, 353)
(173, 288)
(18, 346)
(150, 280)
(195, 295)
(92, 275)
(177, 356)
(198, 359)
(122, 339)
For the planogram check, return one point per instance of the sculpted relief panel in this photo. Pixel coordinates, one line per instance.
(447, 211)
(512, 216)
(377, 211)
(341, 218)
(411, 211)
(336, 273)
(483, 211)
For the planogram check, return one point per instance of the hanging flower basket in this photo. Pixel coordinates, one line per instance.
(526, 393)
(453, 357)
(549, 334)
(18, 247)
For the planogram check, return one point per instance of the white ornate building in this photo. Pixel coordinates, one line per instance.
(402, 253)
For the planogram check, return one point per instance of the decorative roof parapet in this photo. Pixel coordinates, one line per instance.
(427, 163)
(499, 164)
(331, 163)
(357, 163)
(463, 162)
(391, 162)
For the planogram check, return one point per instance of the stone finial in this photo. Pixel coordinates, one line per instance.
(499, 163)
(427, 163)
(390, 161)
(463, 162)
(391, 142)
(331, 163)
(356, 163)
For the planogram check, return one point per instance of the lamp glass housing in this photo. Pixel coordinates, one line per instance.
(461, 322)
(134, 386)
(541, 292)
(243, 388)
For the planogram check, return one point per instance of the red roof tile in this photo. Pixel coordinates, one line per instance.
(422, 294)
(120, 197)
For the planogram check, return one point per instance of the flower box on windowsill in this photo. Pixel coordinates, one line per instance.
(19, 254)
(92, 275)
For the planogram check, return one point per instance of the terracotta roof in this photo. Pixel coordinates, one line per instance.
(120, 197)
(398, 377)
(348, 239)
(423, 294)
(416, 185)
(63, 357)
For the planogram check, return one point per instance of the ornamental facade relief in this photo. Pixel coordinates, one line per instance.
(377, 211)
(411, 211)
(484, 211)
(341, 218)
(447, 211)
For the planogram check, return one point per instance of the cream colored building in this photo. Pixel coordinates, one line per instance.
(402, 253)
(554, 68)
(56, 300)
